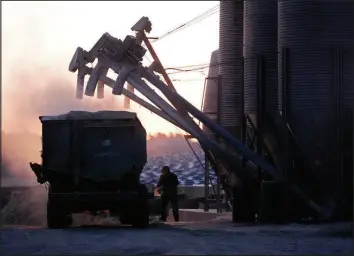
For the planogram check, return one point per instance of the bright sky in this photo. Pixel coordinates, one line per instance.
(39, 39)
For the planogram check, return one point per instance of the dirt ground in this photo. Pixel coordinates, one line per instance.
(24, 232)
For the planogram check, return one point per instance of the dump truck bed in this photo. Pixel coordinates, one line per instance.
(99, 146)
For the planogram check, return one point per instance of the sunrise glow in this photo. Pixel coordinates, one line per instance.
(39, 39)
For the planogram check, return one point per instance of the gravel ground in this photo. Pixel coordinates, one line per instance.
(211, 237)
(95, 235)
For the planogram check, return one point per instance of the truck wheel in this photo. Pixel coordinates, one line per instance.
(140, 211)
(124, 219)
(141, 216)
(57, 217)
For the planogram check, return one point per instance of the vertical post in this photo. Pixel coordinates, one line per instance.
(260, 106)
(285, 104)
(206, 185)
(218, 190)
(243, 118)
(261, 84)
(338, 92)
(340, 114)
(219, 99)
(217, 164)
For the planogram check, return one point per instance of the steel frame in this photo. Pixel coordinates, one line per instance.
(124, 58)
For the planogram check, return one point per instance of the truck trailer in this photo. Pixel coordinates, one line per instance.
(92, 161)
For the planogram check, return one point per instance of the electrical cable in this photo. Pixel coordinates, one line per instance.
(186, 80)
(189, 66)
(196, 68)
(187, 70)
(195, 20)
(183, 70)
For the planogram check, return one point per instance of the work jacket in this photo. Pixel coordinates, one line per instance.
(168, 183)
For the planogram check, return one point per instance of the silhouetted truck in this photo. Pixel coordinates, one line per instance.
(92, 162)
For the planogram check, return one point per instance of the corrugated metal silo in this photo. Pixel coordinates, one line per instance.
(231, 65)
(260, 37)
(210, 101)
(311, 30)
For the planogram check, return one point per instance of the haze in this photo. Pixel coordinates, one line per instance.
(39, 39)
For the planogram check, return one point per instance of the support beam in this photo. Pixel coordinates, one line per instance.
(206, 185)
(285, 104)
(218, 191)
(127, 55)
(261, 80)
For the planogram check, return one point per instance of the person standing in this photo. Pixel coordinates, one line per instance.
(168, 184)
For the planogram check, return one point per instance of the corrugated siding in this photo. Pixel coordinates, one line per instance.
(211, 88)
(231, 63)
(210, 106)
(311, 29)
(260, 37)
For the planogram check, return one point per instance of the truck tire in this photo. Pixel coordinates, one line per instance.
(57, 214)
(140, 212)
(57, 217)
(136, 213)
(141, 216)
(125, 218)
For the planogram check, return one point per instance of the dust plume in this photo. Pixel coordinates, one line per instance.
(36, 49)
(42, 92)
(39, 92)
(33, 93)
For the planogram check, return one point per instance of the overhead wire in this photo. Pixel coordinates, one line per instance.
(182, 70)
(195, 20)
(186, 80)
(188, 66)
(187, 70)
(194, 68)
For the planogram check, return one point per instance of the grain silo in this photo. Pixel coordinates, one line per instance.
(210, 101)
(315, 65)
(260, 37)
(231, 65)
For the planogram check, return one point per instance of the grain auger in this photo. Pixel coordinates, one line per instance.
(124, 57)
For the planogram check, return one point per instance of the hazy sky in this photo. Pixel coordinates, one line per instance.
(39, 39)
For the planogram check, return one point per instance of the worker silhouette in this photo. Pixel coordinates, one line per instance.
(167, 186)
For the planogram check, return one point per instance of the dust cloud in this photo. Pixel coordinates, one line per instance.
(35, 82)
(42, 92)
(35, 93)
(32, 94)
